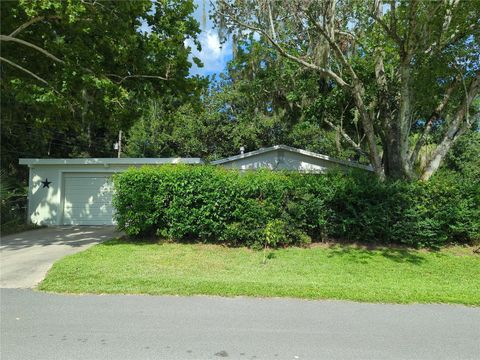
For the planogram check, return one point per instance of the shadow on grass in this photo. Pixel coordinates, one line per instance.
(131, 241)
(365, 255)
(362, 254)
(152, 240)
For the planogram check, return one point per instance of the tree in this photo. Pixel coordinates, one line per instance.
(74, 73)
(261, 100)
(299, 103)
(411, 67)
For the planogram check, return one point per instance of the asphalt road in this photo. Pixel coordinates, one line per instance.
(37, 325)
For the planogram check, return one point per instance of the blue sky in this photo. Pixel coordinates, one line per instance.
(213, 55)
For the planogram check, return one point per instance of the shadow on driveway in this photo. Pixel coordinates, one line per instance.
(74, 236)
(26, 257)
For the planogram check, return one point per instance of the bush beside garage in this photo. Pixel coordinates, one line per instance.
(258, 208)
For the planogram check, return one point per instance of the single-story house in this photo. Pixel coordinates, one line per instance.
(79, 191)
(282, 157)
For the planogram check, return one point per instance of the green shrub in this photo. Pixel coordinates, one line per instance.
(213, 204)
(13, 205)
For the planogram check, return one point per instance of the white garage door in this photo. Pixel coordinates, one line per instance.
(87, 199)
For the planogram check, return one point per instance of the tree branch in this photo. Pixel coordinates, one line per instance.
(274, 34)
(436, 113)
(455, 129)
(452, 39)
(36, 77)
(27, 24)
(31, 22)
(347, 138)
(393, 16)
(24, 70)
(346, 33)
(283, 52)
(380, 76)
(393, 34)
(335, 47)
(123, 78)
(412, 26)
(53, 57)
(356, 88)
(26, 43)
(358, 91)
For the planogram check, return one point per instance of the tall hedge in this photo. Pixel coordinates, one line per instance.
(213, 204)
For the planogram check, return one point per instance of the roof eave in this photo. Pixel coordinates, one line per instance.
(295, 150)
(110, 161)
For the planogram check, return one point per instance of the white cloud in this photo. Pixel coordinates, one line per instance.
(213, 43)
(213, 55)
(246, 32)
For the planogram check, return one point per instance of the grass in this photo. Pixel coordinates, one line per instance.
(322, 272)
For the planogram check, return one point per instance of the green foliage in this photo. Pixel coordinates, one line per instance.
(13, 202)
(107, 65)
(261, 100)
(274, 209)
(464, 157)
(189, 130)
(389, 64)
(442, 211)
(275, 233)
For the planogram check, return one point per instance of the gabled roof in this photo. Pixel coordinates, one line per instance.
(293, 150)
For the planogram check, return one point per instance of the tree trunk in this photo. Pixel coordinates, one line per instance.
(442, 150)
(395, 137)
(367, 125)
(397, 163)
(458, 126)
(435, 115)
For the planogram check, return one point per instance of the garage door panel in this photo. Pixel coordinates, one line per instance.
(97, 183)
(88, 199)
(76, 197)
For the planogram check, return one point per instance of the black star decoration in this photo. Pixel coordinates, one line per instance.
(46, 183)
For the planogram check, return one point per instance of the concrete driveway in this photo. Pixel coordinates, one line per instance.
(26, 257)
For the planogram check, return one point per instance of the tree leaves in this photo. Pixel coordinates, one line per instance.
(83, 70)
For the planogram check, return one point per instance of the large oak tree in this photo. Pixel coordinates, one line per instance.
(411, 67)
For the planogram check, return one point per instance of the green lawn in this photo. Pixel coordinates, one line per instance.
(323, 272)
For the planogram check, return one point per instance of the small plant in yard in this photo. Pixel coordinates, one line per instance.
(279, 233)
(274, 235)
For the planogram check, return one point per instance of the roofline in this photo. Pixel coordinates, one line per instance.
(295, 150)
(110, 161)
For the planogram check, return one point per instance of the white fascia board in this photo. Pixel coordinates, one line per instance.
(291, 149)
(110, 161)
(245, 155)
(327, 158)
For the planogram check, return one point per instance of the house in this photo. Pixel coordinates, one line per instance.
(79, 191)
(282, 157)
